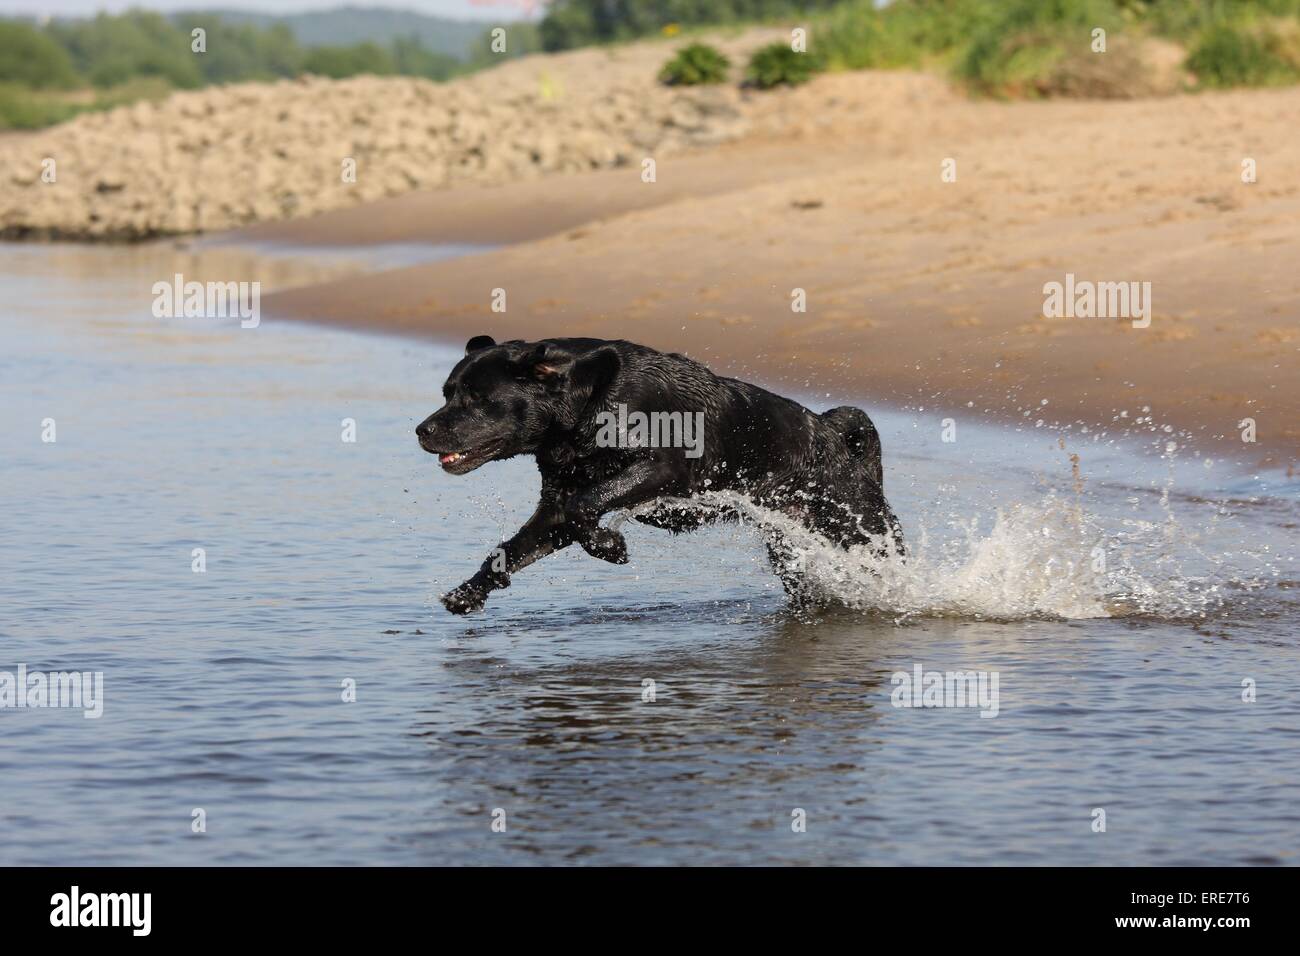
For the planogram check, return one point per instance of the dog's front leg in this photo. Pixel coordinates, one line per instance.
(545, 532)
(554, 526)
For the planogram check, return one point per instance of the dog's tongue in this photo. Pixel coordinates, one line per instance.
(448, 458)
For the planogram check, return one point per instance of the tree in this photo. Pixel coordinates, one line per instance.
(29, 57)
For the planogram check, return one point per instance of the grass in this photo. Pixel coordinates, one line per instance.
(1261, 53)
(1031, 48)
(908, 33)
(23, 108)
(1023, 48)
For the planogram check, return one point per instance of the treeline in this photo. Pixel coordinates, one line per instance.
(575, 23)
(997, 47)
(110, 50)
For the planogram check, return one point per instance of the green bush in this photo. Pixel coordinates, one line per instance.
(1043, 47)
(412, 58)
(1017, 50)
(24, 108)
(1229, 54)
(778, 64)
(694, 65)
(567, 25)
(859, 35)
(239, 52)
(1186, 20)
(30, 58)
(340, 62)
(110, 50)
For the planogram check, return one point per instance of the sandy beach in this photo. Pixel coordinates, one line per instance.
(875, 235)
(920, 292)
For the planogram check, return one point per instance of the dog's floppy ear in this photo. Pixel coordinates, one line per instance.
(595, 370)
(479, 342)
(548, 363)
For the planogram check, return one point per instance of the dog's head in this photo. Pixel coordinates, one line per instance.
(504, 400)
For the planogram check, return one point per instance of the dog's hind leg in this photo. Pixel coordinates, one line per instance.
(860, 439)
(678, 516)
(850, 509)
(788, 565)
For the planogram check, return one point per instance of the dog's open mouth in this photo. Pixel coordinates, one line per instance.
(460, 462)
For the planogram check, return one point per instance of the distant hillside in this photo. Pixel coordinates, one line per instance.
(346, 26)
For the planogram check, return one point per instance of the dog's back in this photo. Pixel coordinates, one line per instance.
(750, 430)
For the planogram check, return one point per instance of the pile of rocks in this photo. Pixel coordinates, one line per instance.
(229, 156)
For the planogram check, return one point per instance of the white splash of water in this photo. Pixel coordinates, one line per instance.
(1044, 559)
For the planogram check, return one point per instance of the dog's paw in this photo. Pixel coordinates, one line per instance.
(464, 599)
(605, 544)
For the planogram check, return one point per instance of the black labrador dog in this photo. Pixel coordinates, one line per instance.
(616, 425)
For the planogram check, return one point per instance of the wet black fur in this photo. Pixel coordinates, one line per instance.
(542, 398)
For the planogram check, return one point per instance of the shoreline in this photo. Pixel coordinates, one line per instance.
(919, 293)
(1141, 440)
(1141, 427)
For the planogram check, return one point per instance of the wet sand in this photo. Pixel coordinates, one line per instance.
(920, 292)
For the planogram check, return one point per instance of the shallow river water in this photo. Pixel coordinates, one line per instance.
(1137, 612)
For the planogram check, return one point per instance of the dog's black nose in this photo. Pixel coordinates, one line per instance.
(422, 430)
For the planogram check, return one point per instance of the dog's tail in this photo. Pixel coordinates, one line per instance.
(860, 436)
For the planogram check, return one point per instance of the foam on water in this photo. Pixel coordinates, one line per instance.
(1050, 556)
